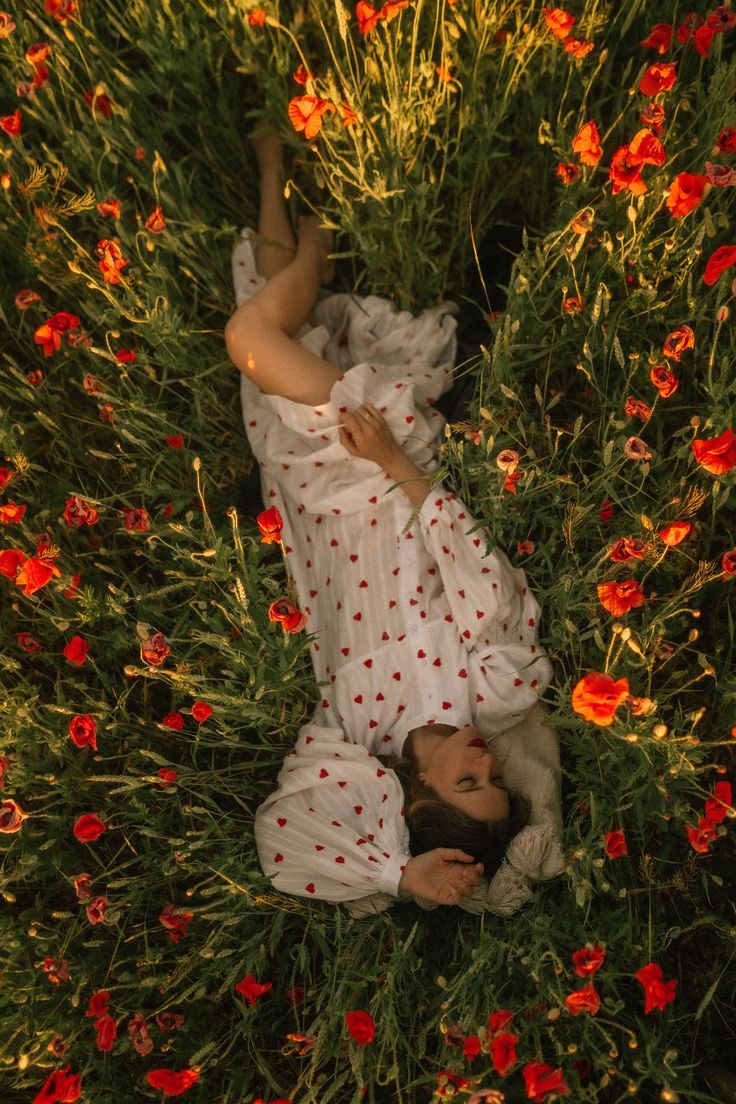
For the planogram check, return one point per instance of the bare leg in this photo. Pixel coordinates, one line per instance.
(276, 246)
(259, 334)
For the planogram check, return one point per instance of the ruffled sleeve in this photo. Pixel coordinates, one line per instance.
(495, 612)
(334, 829)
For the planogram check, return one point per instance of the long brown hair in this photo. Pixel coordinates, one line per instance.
(433, 822)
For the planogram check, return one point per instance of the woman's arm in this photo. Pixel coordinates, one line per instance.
(366, 434)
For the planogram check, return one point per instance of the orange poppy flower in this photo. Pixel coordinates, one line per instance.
(653, 117)
(578, 47)
(716, 454)
(572, 305)
(635, 408)
(686, 192)
(156, 221)
(306, 114)
(36, 573)
(664, 380)
(675, 533)
(678, 342)
(582, 223)
(583, 1000)
(349, 118)
(659, 77)
(111, 261)
(11, 816)
(109, 207)
(392, 8)
(619, 598)
(367, 16)
(558, 21)
(587, 144)
(597, 696)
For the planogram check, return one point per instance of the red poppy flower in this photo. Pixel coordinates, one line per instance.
(285, 612)
(12, 513)
(136, 519)
(83, 731)
(558, 21)
(76, 651)
(96, 909)
(472, 1047)
(154, 649)
(675, 533)
(10, 561)
(166, 776)
(78, 512)
(89, 827)
(606, 510)
(627, 548)
(586, 144)
(578, 47)
(568, 172)
(718, 262)
(252, 989)
(156, 221)
(62, 10)
(34, 573)
(367, 17)
(728, 564)
(174, 720)
(81, 886)
(588, 960)
(657, 991)
(509, 483)
(645, 148)
(172, 1082)
(60, 1087)
(664, 380)
(619, 598)
(659, 38)
(625, 174)
(716, 454)
(718, 804)
(11, 816)
(12, 124)
(306, 114)
(270, 524)
(653, 117)
(28, 642)
(703, 39)
(685, 193)
(597, 697)
(175, 440)
(256, 17)
(541, 1080)
(615, 844)
(503, 1052)
(583, 1000)
(126, 356)
(360, 1026)
(107, 1032)
(98, 101)
(301, 75)
(201, 711)
(689, 25)
(726, 140)
(175, 922)
(6, 474)
(700, 837)
(572, 305)
(659, 77)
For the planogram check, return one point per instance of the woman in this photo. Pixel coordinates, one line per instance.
(424, 645)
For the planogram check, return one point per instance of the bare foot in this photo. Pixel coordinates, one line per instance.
(309, 229)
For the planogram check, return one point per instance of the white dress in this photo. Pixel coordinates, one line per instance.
(411, 628)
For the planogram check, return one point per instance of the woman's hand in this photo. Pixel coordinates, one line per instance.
(366, 434)
(444, 875)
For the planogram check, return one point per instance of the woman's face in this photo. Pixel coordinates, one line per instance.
(464, 772)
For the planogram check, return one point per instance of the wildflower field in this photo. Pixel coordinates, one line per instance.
(568, 177)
